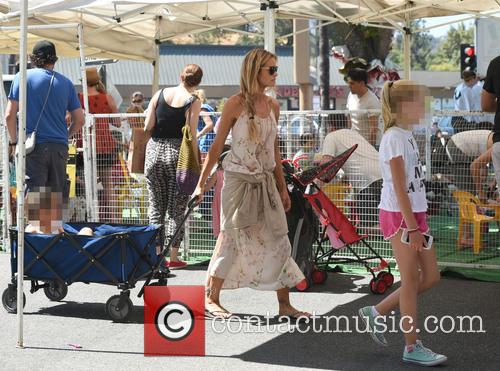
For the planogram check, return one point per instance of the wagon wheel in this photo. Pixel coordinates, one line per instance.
(56, 290)
(117, 312)
(9, 300)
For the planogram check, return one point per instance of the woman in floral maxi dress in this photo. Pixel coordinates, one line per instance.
(252, 249)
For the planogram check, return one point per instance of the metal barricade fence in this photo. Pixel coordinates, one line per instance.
(120, 197)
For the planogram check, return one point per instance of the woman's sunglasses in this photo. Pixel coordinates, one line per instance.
(272, 69)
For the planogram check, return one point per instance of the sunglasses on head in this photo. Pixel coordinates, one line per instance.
(272, 69)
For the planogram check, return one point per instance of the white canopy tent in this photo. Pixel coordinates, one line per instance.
(130, 29)
(133, 29)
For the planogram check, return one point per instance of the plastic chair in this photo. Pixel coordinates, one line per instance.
(131, 193)
(338, 193)
(468, 204)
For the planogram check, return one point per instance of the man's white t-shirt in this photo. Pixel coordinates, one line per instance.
(473, 142)
(359, 121)
(399, 142)
(362, 167)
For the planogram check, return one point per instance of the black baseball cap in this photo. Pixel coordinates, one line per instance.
(44, 48)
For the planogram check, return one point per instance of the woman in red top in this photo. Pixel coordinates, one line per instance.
(106, 146)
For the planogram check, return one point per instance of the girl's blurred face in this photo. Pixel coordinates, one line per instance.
(413, 111)
(268, 73)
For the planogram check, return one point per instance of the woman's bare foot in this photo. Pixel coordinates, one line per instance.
(288, 310)
(216, 310)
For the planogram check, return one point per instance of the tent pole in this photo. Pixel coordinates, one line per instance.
(156, 62)
(87, 153)
(156, 72)
(269, 32)
(407, 48)
(6, 211)
(407, 44)
(20, 174)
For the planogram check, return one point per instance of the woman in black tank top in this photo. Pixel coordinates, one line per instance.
(167, 113)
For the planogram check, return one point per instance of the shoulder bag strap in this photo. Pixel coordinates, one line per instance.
(190, 101)
(45, 102)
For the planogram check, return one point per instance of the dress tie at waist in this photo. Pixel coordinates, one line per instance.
(248, 199)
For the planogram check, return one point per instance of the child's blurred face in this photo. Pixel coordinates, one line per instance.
(412, 109)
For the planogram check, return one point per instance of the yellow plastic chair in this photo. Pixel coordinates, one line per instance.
(467, 204)
(338, 193)
(71, 169)
(131, 193)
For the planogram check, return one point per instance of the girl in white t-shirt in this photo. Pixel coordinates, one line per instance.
(402, 207)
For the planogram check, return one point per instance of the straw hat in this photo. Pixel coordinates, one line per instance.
(93, 77)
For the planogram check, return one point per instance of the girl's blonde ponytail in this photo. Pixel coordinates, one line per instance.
(388, 115)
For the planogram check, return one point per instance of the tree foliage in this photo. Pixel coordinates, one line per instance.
(430, 53)
(447, 56)
(365, 42)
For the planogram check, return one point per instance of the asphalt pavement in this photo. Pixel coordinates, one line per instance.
(76, 333)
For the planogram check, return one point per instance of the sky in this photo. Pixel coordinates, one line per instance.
(441, 31)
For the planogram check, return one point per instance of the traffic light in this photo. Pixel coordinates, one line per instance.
(468, 61)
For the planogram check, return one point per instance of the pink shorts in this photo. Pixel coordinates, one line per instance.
(392, 221)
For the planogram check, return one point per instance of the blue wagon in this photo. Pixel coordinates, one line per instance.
(118, 255)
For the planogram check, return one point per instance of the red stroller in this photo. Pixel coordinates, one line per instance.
(337, 229)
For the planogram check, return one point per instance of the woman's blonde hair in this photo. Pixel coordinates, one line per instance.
(200, 93)
(396, 92)
(253, 62)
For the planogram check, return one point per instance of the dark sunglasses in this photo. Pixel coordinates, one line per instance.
(272, 69)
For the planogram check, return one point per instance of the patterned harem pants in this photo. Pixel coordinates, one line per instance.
(165, 197)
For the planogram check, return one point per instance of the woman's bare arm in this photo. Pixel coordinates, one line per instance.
(209, 126)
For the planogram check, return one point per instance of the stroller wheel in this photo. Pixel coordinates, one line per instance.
(378, 286)
(9, 300)
(119, 311)
(318, 277)
(387, 277)
(56, 291)
(303, 285)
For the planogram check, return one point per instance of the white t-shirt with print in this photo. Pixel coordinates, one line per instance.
(359, 121)
(361, 167)
(399, 142)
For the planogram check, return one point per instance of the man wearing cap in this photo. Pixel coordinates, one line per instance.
(468, 98)
(362, 98)
(49, 96)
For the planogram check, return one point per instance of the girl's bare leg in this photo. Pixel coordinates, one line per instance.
(413, 282)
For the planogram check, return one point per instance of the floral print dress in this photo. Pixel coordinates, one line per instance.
(253, 256)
